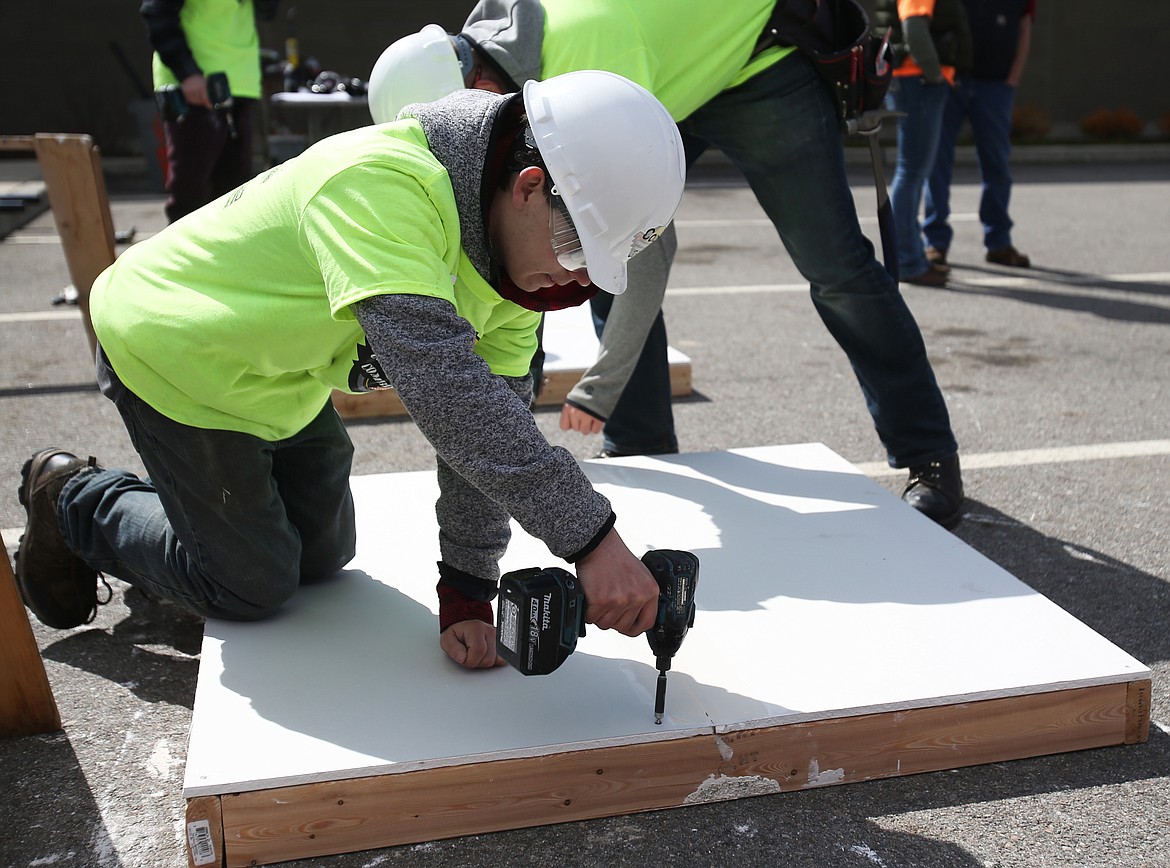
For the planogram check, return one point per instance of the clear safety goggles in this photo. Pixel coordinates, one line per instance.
(566, 243)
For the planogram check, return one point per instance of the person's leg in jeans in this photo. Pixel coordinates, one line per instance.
(193, 148)
(936, 225)
(781, 130)
(918, 134)
(991, 125)
(235, 163)
(227, 525)
(642, 421)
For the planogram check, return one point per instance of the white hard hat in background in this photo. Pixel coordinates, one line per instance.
(421, 67)
(616, 158)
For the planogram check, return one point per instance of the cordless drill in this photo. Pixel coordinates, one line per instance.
(542, 614)
(220, 94)
(677, 574)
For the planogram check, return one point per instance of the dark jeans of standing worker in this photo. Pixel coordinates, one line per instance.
(228, 525)
(204, 160)
(780, 129)
(988, 106)
(918, 133)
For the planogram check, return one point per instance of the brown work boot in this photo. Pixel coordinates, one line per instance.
(59, 587)
(936, 255)
(936, 490)
(931, 277)
(1008, 256)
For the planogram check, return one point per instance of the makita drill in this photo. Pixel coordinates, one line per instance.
(542, 614)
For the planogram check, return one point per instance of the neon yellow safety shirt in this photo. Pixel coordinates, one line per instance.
(683, 53)
(222, 37)
(250, 328)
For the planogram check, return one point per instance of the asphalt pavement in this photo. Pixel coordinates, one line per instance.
(1057, 382)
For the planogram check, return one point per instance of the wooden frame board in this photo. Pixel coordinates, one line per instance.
(820, 655)
(27, 705)
(570, 346)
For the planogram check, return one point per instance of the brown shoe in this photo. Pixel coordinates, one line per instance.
(59, 587)
(1008, 256)
(931, 277)
(935, 255)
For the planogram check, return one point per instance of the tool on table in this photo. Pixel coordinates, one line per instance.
(220, 94)
(542, 614)
(677, 574)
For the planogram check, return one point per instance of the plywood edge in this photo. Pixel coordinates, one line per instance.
(204, 830)
(849, 750)
(225, 786)
(343, 816)
(27, 705)
(557, 385)
(1137, 725)
(956, 699)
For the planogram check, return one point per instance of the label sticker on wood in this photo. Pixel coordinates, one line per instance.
(202, 846)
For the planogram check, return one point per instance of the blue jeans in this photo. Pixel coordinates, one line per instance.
(918, 135)
(988, 106)
(642, 421)
(780, 129)
(227, 525)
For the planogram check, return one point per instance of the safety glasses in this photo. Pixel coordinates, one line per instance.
(566, 244)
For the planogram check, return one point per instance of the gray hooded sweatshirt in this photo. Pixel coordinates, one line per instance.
(493, 462)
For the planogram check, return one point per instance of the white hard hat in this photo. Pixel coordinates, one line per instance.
(616, 160)
(421, 67)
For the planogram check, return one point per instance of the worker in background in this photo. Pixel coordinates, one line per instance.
(209, 149)
(931, 41)
(771, 115)
(1001, 36)
(416, 255)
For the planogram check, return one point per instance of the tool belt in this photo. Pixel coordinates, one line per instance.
(836, 36)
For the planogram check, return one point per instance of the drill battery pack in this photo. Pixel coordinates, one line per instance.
(541, 615)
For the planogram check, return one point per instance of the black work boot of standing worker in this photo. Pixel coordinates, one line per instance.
(936, 490)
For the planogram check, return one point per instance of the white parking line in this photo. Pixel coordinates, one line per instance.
(974, 461)
(70, 312)
(1036, 279)
(1053, 455)
(1073, 282)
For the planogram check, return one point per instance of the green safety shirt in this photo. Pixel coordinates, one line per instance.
(222, 37)
(237, 317)
(684, 54)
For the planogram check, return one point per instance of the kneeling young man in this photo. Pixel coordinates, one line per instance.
(416, 254)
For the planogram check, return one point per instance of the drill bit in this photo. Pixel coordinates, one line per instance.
(660, 693)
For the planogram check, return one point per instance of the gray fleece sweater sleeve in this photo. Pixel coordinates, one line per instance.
(921, 45)
(494, 462)
(629, 321)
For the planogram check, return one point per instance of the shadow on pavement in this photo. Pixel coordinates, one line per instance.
(1107, 308)
(153, 651)
(51, 815)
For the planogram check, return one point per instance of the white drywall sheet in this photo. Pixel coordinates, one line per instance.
(820, 595)
(570, 341)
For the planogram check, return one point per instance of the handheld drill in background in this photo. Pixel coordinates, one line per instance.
(542, 614)
(220, 94)
(173, 107)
